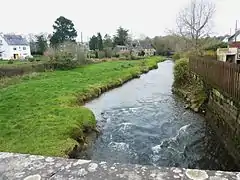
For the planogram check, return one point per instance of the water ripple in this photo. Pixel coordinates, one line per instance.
(144, 123)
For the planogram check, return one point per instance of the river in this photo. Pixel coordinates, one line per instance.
(144, 123)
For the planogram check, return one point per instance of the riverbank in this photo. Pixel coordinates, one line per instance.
(193, 95)
(41, 113)
(144, 123)
(189, 87)
(220, 110)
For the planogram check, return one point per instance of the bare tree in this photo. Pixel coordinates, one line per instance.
(195, 22)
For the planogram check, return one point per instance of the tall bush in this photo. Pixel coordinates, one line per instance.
(181, 72)
(81, 55)
(176, 56)
(108, 52)
(66, 56)
(101, 54)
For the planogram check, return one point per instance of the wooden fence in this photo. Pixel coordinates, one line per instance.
(221, 75)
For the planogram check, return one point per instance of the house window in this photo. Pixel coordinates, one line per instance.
(24, 48)
(14, 49)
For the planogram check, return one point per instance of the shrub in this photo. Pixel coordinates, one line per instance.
(66, 56)
(31, 59)
(122, 58)
(116, 55)
(181, 72)
(176, 56)
(126, 55)
(10, 61)
(133, 57)
(101, 54)
(210, 53)
(108, 52)
(80, 56)
(91, 54)
(214, 47)
(63, 60)
(23, 69)
(37, 59)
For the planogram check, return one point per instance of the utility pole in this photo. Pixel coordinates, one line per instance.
(236, 28)
(81, 38)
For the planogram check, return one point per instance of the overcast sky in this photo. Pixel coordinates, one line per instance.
(149, 17)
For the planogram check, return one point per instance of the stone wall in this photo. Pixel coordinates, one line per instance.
(223, 115)
(29, 167)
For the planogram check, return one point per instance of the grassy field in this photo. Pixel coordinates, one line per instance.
(41, 114)
(17, 63)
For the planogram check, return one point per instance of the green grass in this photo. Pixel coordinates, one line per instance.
(39, 113)
(4, 63)
(19, 63)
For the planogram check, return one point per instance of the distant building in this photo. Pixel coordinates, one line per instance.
(232, 53)
(234, 40)
(136, 47)
(147, 48)
(14, 47)
(121, 49)
(224, 38)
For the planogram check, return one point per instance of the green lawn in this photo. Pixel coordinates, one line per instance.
(17, 63)
(4, 63)
(39, 114)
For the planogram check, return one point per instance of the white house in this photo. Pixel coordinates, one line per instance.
(14, 47)
(232, 53)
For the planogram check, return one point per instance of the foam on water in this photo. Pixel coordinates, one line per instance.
(124, 127)
(119, 146)
(144, 123)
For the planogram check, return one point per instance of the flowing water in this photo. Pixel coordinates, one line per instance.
(144, 123)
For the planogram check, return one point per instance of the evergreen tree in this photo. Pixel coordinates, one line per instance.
(93, 43)
(100, 42)
(107, 41)
(41, 44)
(63, 31)
(122, 36)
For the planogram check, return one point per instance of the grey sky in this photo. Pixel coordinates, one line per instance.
(149, 17)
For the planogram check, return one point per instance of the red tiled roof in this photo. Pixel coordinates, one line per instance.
(235, 44)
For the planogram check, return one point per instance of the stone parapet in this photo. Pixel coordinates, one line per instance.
(31, 167)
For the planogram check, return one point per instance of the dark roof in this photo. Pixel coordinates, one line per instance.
(141, 45)
(234, 35)
(146, 45)
(15, 40)
(221, 38)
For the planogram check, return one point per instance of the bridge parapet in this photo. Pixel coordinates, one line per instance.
(31, 167)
